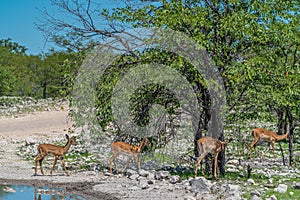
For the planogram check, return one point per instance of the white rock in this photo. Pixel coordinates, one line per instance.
(9, 189)
(144, 173)
(232, 170)
(133, 188)
(130, 172)
(235, 192)
(282, 188)
(255, 197)
(175, 179)
(145, 186)
(251, 181)
(270, 181)
(189, 198)
(297, 185)
(133, 177)
(233, 162)
(273, 197)
(255, 193)
(162, 175)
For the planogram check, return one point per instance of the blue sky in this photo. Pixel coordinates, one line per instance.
(17, 18)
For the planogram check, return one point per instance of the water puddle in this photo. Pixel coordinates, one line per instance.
(23, 192)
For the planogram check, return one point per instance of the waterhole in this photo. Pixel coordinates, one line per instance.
(23, 192)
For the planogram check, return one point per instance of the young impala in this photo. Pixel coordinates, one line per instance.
(261, 134)
(57, 151)
(131, 150)
(210, 145)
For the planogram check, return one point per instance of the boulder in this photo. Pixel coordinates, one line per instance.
(281, 188)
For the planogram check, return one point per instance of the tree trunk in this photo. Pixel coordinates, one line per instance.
(221, 158)
(197, 136)
(282, 121)
(291, 135)
(44, 90)
(281, 128)
(204, 117)
(279, 121)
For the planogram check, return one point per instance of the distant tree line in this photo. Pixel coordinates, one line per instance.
(39, 76)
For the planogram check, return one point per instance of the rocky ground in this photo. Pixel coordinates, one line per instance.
(50, 126)
(21, 132)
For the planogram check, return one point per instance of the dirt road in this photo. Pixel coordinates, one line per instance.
(54, 122)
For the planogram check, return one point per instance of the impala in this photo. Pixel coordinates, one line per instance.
(131, 150)
(210, 145)
(261, 134)
(57, 151)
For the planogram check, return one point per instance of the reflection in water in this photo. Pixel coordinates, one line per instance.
(13, 192)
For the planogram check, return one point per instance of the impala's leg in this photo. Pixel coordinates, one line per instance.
(110, 164)
(273, 149)
(129, 159)
(136, 159)
(41, 165)
(251, 146)
(40, 159)
(265, 152)
(215, 165)
(54, 163)
(116, 166)
(112, 160)
(198, 162)
(63, 162)
(36, 164)
(201, 166)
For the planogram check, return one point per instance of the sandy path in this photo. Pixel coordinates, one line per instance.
(13, 133)
(54, 122)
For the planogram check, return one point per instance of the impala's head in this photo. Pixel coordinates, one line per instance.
(147, 143)
(72, 139)
(138, 149)
(224, 144)
(229, 140)
(288, 135)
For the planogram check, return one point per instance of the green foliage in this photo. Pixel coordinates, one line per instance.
(50, 75)
(254, 44)
(144, 98)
